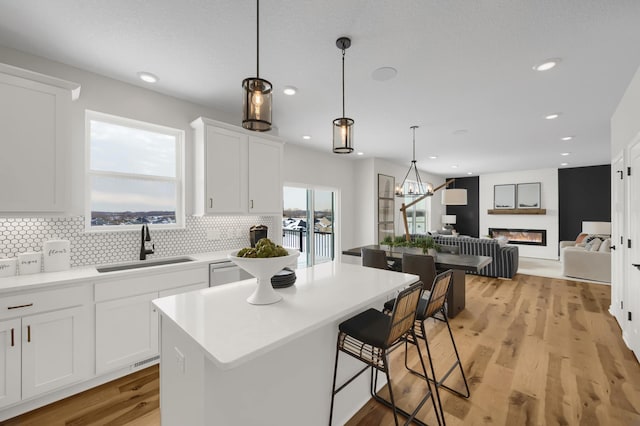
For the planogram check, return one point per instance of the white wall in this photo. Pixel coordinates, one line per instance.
(624, 123)
(548, 198)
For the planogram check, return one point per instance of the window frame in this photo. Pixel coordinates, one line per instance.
(179, 178)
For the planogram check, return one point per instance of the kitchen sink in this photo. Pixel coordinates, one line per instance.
(143, 264)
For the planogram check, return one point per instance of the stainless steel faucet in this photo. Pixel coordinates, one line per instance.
(144, 251)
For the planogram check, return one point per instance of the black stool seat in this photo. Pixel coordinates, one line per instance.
(369, 327)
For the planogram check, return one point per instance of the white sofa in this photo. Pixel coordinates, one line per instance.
(579, 262)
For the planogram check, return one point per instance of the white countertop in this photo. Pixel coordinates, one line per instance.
(231, 331)
(89, 274)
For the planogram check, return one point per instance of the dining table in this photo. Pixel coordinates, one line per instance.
(460, 264)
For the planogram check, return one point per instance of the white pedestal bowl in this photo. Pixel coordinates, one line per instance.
(263, 269)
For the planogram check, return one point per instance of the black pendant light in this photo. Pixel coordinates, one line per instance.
(343, 126)
(256, 99)
(417, 188)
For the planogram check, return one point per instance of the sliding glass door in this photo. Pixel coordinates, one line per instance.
(308, 224)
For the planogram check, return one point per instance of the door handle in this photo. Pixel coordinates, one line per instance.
(613, 247)
(28, 333)
(13, 337)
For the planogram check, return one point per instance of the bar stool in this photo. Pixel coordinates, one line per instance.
(374, 258)
(370, 336)
(436, 305)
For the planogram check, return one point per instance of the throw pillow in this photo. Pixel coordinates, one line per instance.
(580, 238)
(605, 246)
(594, 244)
(589, 238)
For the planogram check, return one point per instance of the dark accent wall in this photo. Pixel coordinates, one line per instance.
(467, 217)
(584, 194)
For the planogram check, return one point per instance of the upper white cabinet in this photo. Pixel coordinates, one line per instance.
(237, 172)
(35, 138)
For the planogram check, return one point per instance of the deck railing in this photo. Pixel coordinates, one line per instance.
(297, 239)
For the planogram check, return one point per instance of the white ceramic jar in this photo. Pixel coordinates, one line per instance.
(57, 255)
(8, 267)
(29, 263)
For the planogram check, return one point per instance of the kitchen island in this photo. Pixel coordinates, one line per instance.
(227, 362)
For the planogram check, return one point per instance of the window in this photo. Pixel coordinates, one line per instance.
(416, 214)
(134, 174)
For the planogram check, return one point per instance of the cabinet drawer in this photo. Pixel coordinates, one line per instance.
(42, 301)
(151, 282)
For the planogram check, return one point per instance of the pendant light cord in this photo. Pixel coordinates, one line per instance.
(257, 38)
(343, 83)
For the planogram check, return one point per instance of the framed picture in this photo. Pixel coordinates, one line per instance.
(529, 195)
(386, 186)
(385, 230)
(504, 196)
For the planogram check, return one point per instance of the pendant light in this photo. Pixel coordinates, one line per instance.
(343, 126)
(418, 188)
(256, 99)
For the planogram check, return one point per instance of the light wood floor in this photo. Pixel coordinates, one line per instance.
(536, 351)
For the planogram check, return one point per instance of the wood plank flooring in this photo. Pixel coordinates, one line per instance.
(536, 351)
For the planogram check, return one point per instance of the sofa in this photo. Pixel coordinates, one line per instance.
(504, 258)
(586, 259)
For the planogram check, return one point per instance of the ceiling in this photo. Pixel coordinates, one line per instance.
(464, 68)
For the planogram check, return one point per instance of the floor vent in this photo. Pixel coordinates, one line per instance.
(146, 361)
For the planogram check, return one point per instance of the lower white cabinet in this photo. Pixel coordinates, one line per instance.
(127, 329)
(126, 332)
(10, 360)
(43, 352)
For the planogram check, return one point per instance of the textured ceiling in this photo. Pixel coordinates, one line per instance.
(464, 68)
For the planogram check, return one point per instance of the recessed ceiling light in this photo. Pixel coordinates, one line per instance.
(289, 90)
(564, 164)
(567, 138)
(547, 64)
(433, 157)
(469, 173)
(306, 137)
(454, 166)
(147, 77)
(360, 153)
(552, 116)
(384, 73)
(564, 154)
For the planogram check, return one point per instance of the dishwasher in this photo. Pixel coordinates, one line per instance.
(225, 271)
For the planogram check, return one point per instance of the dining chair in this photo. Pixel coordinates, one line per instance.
(371, 336)
(374, 258)
(425, 267)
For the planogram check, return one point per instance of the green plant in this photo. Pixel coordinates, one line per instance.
(425, 243)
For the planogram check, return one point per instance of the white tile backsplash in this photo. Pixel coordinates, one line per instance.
(19, 235)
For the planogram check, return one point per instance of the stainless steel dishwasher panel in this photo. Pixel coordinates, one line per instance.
(225, 272)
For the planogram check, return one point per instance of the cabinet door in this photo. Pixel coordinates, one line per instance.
(9, 362)
(226, 171)
(126, 332)
(35, 123)
(55, 350)
(265, 176)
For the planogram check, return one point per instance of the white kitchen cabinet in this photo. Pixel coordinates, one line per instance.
(42, 351)
(55, 350)
(126, 332)
(10, 362)
(35, 136)
(236, 172)
(126, 322)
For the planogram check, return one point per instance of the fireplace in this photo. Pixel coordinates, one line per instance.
(531, 237)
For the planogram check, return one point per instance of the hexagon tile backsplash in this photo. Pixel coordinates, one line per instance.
(19, 235)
